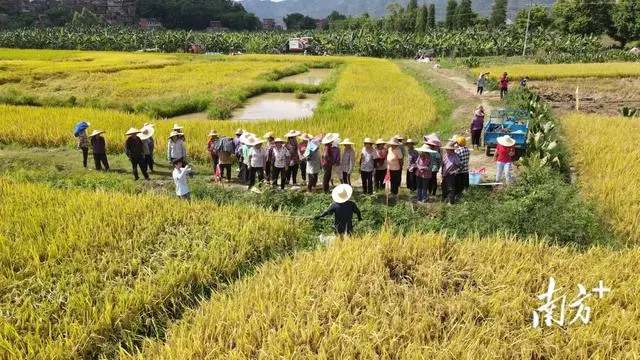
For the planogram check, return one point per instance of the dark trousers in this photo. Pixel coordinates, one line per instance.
(503, 92)
(149, 161)
(139, 161)
(346, 178)
(378, 179)
(303, 170)
(475, 137)
(462, 182)
(449, 188)
(312, 181)
(243, 176)
(326, 178)
(252, 175)
(267, 170)
(480, 90)
(367, 181)
(396, 178)
(422, 185)
(433, 184)
(85, 156)
(412, 183)
(225, 169)
(278, 172)
(292, 173)
(99, 160)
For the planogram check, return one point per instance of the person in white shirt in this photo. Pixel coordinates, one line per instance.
(257, 160)
(180, 179)
(348, 161)
(176, 149)
(280, 163)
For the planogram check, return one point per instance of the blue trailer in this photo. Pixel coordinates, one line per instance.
(512, 122)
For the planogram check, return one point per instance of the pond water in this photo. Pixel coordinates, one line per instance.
(276, 106)
(311, 77)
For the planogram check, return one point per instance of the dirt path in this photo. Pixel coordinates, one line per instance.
(462, 92)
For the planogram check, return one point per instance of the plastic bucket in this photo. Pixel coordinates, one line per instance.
(474, 178)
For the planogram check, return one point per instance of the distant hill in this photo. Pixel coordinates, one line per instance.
(321, 8)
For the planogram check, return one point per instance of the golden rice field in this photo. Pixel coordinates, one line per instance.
(83, 273)
(606, 155)
(418, 297)
(372, 98)
(558, 71)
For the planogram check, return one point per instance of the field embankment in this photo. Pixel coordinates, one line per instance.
(423, 296)
(86, 272)
(607, 158)
(558, 71)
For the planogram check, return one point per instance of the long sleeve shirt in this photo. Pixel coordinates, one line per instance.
(343, 215)
(348, 161)
(423, 167)
(313, 162)
(412, 158)
(83, 141)
(258, 157)
(394, 159)
(98, 144)
(450, 164)
(294, 155)
(280, 157)
(180, 180)
(367, 159)
(463, 155)
(176, 149)
(133, 147)
(331, 156)
(381, 159)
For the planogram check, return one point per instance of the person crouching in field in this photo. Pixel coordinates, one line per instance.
(134, 151)
(343, 210)
(99, 148)
(180, 179)
(367, 166)
(348, 161)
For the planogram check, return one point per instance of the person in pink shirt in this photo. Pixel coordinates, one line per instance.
(504, 85)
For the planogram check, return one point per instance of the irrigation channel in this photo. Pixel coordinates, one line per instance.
(275, 106)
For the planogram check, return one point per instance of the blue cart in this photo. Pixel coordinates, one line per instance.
(512, 122)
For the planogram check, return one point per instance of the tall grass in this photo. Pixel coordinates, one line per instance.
(83, 273)
(608, 163)
(421, 296)
(558, 71)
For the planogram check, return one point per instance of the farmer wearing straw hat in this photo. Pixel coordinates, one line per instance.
(412, 155)
(394, 164)
(504, 85)
(280, 163)
(436, 160)
(330, 158)
(269, 146)
(381, 165)
(99, 148)
(505, 151)
(462, 177)
(134, 151)
(477, 124)
(343, 210)
(348, 161)
(243, 156)
(179, 175)
(146, 135)
(314, 163)
(450, 167)
(176, 149)
(423, 172)
(83, 142)
(367, 166)
(212, 147)
(257, 160)
(294, 156)
(302, 148)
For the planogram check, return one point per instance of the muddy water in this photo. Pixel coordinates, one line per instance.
(276, 106)
(311, 77)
